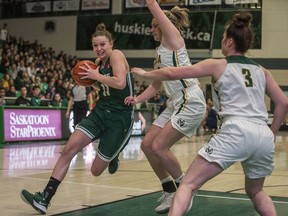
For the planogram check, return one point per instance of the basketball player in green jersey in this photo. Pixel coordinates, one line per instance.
(110, 120)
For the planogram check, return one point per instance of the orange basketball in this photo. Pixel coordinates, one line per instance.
(76, 70)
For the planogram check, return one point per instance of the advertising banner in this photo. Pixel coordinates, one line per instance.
(170, 2)
(229, 2)
(205, 2)
(134, 3)
(30, 125)
(95, 4)
(70, 5)
(132, 31)
(142, 3)
(38, 7)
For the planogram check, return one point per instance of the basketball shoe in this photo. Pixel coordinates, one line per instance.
(166, 200)
(113, 165)
(37, 201)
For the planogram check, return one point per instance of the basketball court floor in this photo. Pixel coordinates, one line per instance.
(29, 165)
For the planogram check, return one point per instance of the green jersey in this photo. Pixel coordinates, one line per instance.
(110, 98)
(35, 101)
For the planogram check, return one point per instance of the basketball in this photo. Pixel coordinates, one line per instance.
(76, 70)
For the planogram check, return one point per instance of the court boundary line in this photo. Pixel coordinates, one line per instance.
(235, 198)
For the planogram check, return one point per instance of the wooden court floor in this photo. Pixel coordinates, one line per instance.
(29, 165)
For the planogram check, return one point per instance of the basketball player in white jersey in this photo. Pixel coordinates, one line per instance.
(186, 105)
(244, 136)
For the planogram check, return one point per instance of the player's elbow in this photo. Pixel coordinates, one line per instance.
(121, 85)
(285, 104)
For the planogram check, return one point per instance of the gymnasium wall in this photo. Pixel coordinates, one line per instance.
(273, 54)
(274, 33)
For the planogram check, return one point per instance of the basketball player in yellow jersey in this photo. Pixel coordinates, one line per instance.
(186, 105)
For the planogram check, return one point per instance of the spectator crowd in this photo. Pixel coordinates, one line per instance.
(32, 73)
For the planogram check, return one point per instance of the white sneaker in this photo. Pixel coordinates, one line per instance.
(160, 199)
(166, 200)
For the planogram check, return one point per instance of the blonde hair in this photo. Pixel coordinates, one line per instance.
(179, 17)
(101, 31)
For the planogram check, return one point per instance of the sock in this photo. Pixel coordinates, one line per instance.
(168, 185)
(178, 180)
(51, 188)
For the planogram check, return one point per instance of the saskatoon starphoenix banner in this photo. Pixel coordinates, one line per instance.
(132, 31)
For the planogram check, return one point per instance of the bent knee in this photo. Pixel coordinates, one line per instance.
(159, 148)
(68, 153)
(251, 193)
(146, 146)
(193, 188)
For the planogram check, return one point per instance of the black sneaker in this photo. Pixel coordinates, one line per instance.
(113, 165)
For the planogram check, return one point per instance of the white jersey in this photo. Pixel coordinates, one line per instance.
(241, 90)
(172, 58)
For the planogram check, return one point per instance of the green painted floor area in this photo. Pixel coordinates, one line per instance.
(205, 203)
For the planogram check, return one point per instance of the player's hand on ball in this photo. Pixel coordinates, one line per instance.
(89, 72)
(76, 72)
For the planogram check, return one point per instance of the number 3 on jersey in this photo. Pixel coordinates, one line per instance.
(247, 76)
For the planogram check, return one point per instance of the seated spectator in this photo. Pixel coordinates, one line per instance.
(19, 81)
(31, 70)
(58, 102)
(47, 95)
(12, 71)
(22, 100)
(11, 91)
(37, 81)
(35, 99)
(27, 81)
(4, 65)
(21, 66)
(6, 79)
(51, 88)
(44, 84)
(61, 88)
